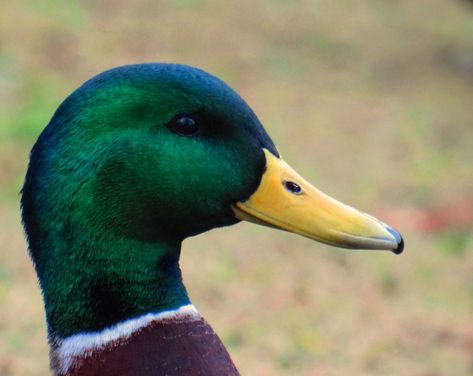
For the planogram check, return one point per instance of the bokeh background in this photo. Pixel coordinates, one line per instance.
(371, 100)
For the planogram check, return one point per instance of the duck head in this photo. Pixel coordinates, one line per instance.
(141, 157)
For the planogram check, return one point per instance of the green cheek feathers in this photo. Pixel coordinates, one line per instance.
(144, 190)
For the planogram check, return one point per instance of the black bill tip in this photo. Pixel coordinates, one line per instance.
(399, 240)
(400, 247)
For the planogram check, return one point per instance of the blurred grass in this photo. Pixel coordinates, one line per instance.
(371, 100)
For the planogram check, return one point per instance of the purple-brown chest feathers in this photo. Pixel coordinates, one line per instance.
(183, 344)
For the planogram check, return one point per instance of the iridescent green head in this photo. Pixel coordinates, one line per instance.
(150, 150)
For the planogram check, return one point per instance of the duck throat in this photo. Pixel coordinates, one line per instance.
(92, 285)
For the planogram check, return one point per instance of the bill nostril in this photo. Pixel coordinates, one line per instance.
(292, 187)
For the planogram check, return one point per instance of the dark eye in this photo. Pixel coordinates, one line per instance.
(184, 125)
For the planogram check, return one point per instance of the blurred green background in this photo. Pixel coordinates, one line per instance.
(371, 100)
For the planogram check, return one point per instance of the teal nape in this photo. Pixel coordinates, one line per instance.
(138, 159)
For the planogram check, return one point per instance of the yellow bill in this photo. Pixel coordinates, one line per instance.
(288, 202)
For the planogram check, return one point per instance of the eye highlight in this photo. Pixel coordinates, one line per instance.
(184, 125)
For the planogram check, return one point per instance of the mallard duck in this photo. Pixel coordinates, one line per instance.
(133, 162)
